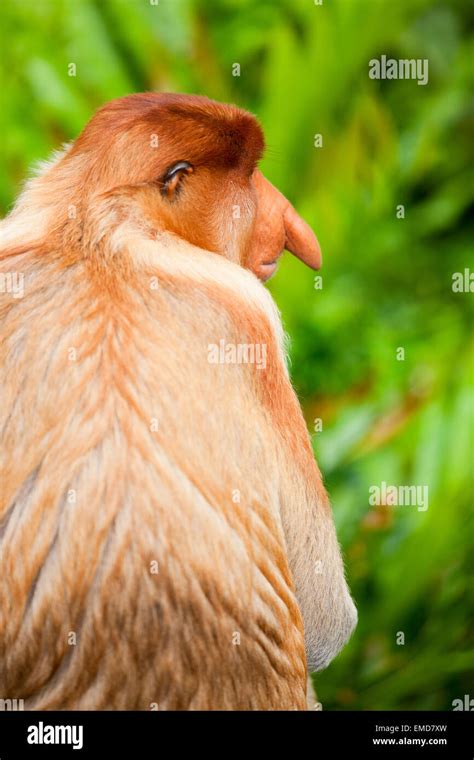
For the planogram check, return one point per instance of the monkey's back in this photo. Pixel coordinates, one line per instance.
(142, 560)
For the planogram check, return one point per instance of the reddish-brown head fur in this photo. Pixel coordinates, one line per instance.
(221, 203)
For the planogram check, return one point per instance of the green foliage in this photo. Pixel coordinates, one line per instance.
(387, 281)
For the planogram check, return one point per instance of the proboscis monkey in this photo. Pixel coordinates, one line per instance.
(165, 537)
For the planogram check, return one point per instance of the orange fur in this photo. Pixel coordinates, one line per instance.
(124, 446)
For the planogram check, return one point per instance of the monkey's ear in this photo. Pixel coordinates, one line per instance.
(278, 226)
(173, 177)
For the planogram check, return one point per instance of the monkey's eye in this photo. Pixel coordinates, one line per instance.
(172, 178)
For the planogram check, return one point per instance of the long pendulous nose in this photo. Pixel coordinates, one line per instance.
(277, 227)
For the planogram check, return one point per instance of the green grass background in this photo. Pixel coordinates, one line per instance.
(387, 282)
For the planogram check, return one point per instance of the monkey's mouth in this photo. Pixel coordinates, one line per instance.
(267, 269)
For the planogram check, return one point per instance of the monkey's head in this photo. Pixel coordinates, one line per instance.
(186, 165)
